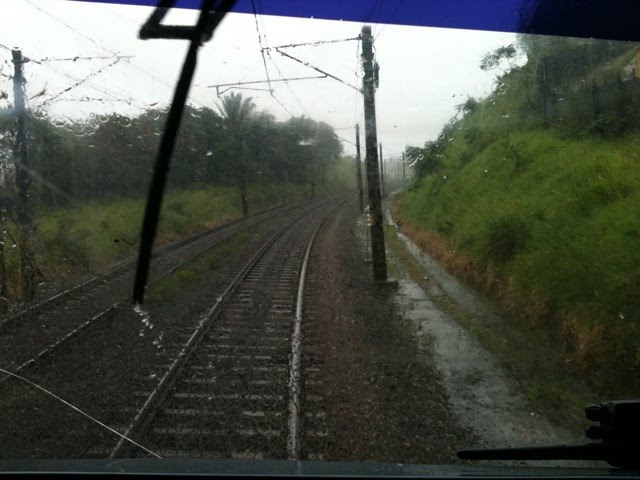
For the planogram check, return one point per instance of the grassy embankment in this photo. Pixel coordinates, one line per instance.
(86, 238)
(550, 227)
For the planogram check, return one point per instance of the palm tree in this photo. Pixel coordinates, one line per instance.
(238, 114)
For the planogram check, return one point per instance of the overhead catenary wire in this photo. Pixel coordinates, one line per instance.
(79, 82)
(378, 14)
(389, 19)
(281, 104)
(262, 53)
(264, 60)
(114, 95)
(291, 89)
(78, 58)
(371, 11)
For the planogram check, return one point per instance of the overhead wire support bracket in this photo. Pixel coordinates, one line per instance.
(307, 64)
(258, 82)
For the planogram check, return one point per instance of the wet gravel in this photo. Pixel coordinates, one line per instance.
(383, 397)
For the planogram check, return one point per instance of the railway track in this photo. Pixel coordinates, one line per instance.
(34, 333)
(233, 386)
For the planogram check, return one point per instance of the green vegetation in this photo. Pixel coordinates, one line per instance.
(170, 287)
(533, 195)
(71, 241)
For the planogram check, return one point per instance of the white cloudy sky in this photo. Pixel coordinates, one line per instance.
(425, 72)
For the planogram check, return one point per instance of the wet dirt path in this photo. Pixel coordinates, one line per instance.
(482, 395)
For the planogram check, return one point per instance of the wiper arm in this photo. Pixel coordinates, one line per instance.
(619, 431)
(210, 17)
(591, 451)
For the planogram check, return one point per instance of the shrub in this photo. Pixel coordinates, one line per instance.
(505, 237)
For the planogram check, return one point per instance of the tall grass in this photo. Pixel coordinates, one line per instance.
(84, 239)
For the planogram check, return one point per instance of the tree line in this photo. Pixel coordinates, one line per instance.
(71, 163)
(578, 87)
(113, 155)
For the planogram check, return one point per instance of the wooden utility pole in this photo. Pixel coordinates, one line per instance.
(359, 169)
(369, 84)
(23, 179)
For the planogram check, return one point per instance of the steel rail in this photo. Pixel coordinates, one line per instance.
(293, 437)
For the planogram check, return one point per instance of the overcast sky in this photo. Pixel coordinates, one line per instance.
(425, 72)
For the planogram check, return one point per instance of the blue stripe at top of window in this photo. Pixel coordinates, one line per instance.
(606, 19)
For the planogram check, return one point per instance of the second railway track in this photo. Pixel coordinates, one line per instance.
(33, 333)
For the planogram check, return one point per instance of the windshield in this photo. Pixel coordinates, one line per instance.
(377, 242)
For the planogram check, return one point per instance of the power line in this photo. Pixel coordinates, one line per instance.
(390, 18)
(79, 82)
(113, 52)
(77, 58)
(281, 104)
(91, 99)
(116, 96)
(371, 11)
(263, 48)
(291, 89)
(379, 11)
(264, 60)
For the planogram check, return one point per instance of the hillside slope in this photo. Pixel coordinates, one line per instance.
(535, 199)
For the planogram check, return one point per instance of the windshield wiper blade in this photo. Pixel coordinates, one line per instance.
(210, 17)
(619, 431)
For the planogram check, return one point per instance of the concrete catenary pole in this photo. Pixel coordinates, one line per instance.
(369, 83)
